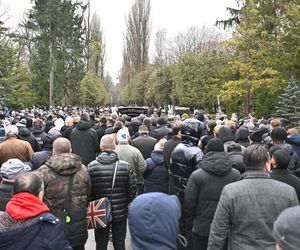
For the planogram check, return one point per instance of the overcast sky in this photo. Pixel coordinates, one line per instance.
(173, 15)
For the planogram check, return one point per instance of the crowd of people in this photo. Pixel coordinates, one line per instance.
(193, 181)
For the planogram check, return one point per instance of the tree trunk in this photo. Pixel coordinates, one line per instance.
(51, 75)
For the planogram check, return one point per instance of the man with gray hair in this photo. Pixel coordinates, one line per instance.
(248, 208)
(102, 171)
(13, 147)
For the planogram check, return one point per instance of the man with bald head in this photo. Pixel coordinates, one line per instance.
(101, 172)
(67, 190)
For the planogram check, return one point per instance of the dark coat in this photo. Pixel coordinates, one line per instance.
(294, 141)
(67, 133)
(145, 144)
(156, 176)
(168, 149)
(39, 158)
(101, 171)
(6, 193)
(100, 132)
(161, 132)
(185, 158)
(46, 233)
(237, 161)
(40, 136)
(84, 141)
(285, 176)
(241, 137)
(204, 188)
(56, 174)
(25, 135)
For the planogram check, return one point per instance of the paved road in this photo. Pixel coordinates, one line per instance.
(91, 245)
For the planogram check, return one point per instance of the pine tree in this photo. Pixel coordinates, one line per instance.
(289, 104)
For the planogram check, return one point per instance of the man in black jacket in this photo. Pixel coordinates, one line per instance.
(144, 142)
(203, 191)
(101, 171)
(84, 140)
(280, 160)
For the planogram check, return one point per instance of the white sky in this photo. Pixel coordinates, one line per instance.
(173, 15)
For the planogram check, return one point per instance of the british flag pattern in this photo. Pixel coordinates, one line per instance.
(99, 213)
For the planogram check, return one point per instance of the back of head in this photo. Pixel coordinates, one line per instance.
(292, 131)
(107, 143)
(225, 134)
(147, 122)
(275, 123)
(38, 123)
(234, 147)
(61, 145)
(286, 229)
(161, 121)
(176, 128)
(50, 138)
(160, 213)
(215, 145)
(84, 117)
(11, 130)
(278, 135)
(143, 129)
(282, 158)
(31, 182)
(255, 157)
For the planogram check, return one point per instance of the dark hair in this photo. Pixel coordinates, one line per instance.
(84, 116)
(161, 121)
(176, 127)
(278, 135)
(255, 156)
(282, 158)
(31, 182)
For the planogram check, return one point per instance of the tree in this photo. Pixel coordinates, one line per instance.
(289, 104)
(137, 37)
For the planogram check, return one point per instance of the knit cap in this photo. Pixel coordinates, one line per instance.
(215, 145)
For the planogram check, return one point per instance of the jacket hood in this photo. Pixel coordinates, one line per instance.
(65, 164)
(107, 157)
(216, 163)
(294, 140)
(24, 132)
(83, 125)
(225, 134)
(242, 134)
(25, 205)
(158, 157)
(37, 130)
(154, 221)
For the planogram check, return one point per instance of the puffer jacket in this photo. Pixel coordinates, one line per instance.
(156, 176)
(101, 171)
(84, 141)
(56, 174)
(184, 159)
(204, 188)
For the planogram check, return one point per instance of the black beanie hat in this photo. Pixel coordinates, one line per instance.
(215, 145)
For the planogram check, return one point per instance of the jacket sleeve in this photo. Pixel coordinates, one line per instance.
(141, 163)
(131, 185)
(220, 226)
(191, 201)
(95, 140)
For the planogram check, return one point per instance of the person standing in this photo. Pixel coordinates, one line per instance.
(101, 172)
(67, 190)
(248, 208)
(84, 140)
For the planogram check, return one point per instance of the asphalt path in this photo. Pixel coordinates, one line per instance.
(91, 244)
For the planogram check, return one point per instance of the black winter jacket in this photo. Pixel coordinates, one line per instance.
(185, 158)
(237, 161)
(156, 175)
(204, 188)
(25, 135)
(6, 193)
(84, 142)
(101, 171)
(40, 136)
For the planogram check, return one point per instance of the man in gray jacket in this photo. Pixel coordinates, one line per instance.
(247, 209)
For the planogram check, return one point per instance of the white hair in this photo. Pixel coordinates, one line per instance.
(11, 130)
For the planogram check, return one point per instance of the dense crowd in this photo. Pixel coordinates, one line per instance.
(189, 181)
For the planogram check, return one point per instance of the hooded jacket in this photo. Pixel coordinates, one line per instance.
(84, 141)
(27, 225)
(56, 174)
(101, 171)
(25, 135)
(154, 221)
(294, 141)
(204, 188)
(156, 176)
(226, 135)
(39, 135)
(241, 137)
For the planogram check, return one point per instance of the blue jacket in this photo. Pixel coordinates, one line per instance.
(154, 221)
(47, 233)
(156, 175)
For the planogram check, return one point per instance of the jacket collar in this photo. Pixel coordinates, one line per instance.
(255, 174)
